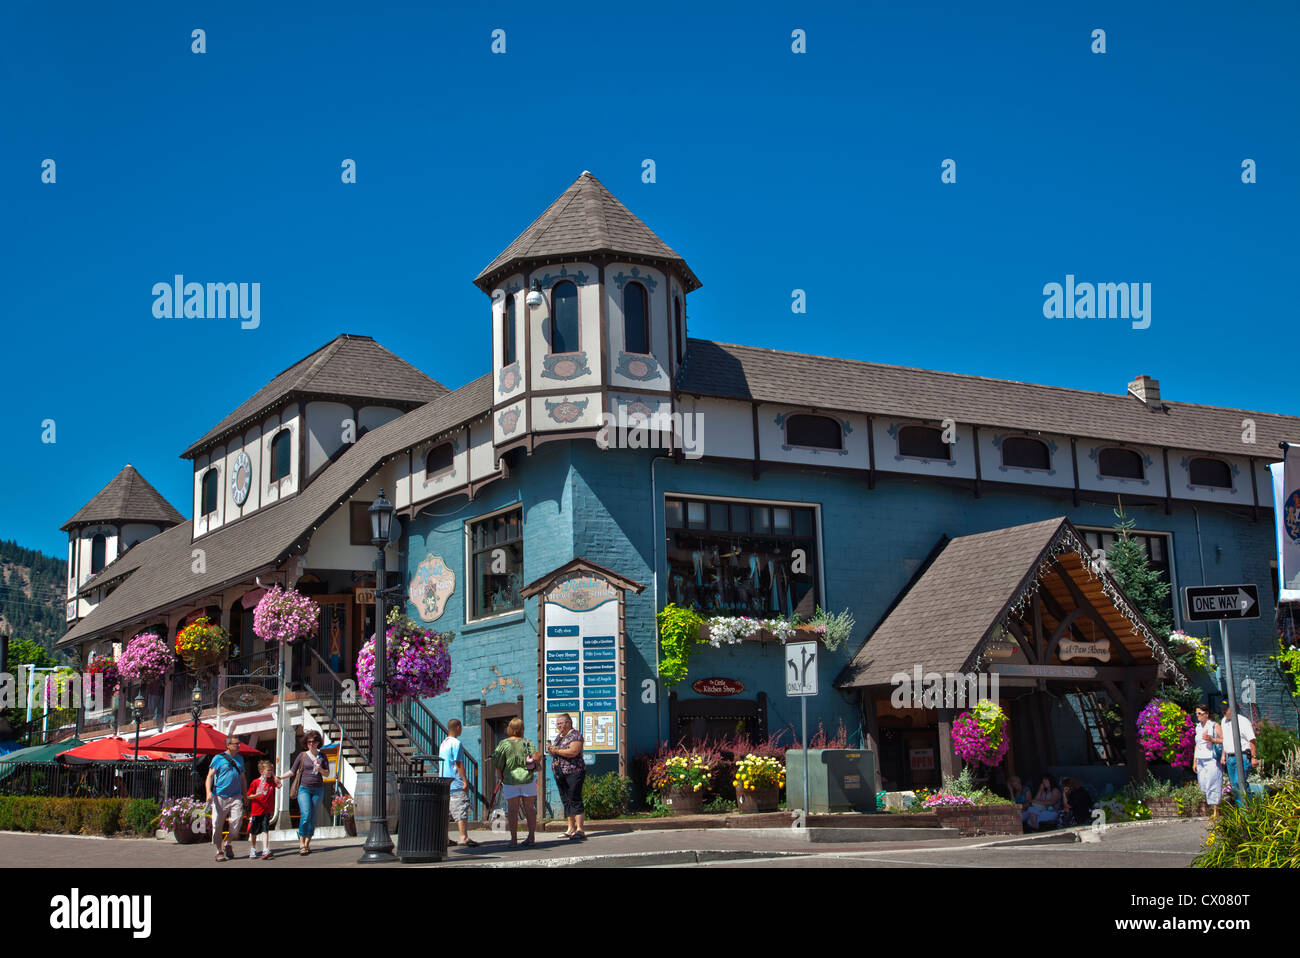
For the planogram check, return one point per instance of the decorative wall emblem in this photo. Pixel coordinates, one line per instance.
(636, 366)
(565, 366)
(508, 420)
(580, 278)
(569, 410)
(431, 587)
(637, 412)
(241, 477)
(510, 378)
(622, 279)
(1291, 515)
(581, 592)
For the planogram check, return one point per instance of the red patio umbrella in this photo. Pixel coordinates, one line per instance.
(211, 742)
(110, 749)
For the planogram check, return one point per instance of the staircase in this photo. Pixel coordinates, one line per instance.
(1095, 724)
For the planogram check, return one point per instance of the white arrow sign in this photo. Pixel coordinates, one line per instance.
(1244, 603)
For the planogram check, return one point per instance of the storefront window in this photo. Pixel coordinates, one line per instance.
(730, 558)
(497, 561)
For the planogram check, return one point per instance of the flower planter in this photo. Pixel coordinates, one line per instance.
(1163, 807)
(685, 801)
(350, 825)
(972, 820)
(185, 835)
(759, 800)
(1199, 810)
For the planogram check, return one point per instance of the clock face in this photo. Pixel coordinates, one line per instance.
(241, 477)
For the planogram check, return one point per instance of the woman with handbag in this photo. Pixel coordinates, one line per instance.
(309, 770)
(1206, 758)
(517, 762)
(570, 771)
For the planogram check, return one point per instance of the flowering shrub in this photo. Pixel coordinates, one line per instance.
(680, 771)
(285, 615)
(1166, 733)
(944, 800)
(343, 806)
(1192, 653)
(731, 630)
(1125, 810)
(146, 658)
(185, 811)
(107, 668)
(781, 628)
(201, 639)
(754, 772)
(979, 736)
(419, 664)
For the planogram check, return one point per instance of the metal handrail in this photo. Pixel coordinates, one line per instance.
(361, 717)
(433, 733)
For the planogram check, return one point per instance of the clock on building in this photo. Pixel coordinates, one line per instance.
(241, 476)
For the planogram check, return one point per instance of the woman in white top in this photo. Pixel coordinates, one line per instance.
(1208, 774)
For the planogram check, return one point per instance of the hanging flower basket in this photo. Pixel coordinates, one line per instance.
(284, 615)
(146, 659)
(419, 663)
(108, 669)
(202, 645)
(980, 735)
(1166, 733)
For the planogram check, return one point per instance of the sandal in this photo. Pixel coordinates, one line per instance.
(579, 836)
(527, 843)
(220, 857)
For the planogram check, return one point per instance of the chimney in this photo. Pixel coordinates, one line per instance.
(1146, 389)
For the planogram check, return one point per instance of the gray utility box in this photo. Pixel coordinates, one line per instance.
(841, 779)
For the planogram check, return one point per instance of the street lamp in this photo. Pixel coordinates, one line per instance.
(379, 844)
(137, 709)
(196, 709)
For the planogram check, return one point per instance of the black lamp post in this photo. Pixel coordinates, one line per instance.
(379, 844)
(196, 709)
(137, 710)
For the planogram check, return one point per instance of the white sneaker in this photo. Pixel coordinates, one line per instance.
(254, 854)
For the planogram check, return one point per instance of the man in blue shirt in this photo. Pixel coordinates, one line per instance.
(453, 766)
(227, 785)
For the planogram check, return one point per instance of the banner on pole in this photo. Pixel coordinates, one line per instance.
(1286, 510)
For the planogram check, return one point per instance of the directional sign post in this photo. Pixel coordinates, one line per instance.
(1203, 603)
(801, 680)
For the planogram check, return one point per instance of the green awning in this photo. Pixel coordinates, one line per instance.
(37, 753)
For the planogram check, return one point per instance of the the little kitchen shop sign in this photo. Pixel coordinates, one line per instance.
(718, 687)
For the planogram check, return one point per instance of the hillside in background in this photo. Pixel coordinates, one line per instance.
(32, 588)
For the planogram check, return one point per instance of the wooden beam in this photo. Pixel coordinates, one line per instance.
(976, 433)
(754, 412)
(873, 732)
(871, 453)
(1254, 488)
(1089, 673)
(1092, 612)
(1074, 460)
(1169, 502)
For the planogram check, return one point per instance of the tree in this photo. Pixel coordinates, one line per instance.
(1127, 561)
(27, 652)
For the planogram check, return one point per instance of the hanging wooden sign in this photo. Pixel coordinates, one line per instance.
(716, 686)
(1084, 650)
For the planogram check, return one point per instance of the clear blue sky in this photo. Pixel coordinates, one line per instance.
(775, 171)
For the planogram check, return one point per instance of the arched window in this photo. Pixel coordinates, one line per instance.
(97, 546)
(211, 484)
(508, 351)
(818, 432)
(1210, 472)
(1120, 464)
(923, 442)
(636, 319)
(439, 460)
(1021, 452)
(564, 318)
(681, 330)
(280, 455)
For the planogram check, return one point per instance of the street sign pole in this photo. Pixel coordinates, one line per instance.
(803, 708)
(1239, 798)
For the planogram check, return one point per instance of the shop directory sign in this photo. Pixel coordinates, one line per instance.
(581, 659)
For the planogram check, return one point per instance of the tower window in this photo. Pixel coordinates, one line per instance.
(1210, 472)
(210, 487)
(818, 432)
(1120, 464)
(923, 442)
(97, 547)
(508, 333)
(681, 330)
(636, 319)
(439, 460)
(564, 318)
(280, 460)
(1021, 452)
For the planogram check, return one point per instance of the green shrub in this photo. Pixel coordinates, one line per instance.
(1147, 788)
(141, 816)
(607, 796)
(1265, 833)
(719, 804)
(76, 816)
(1272, 743)
(1189, 798)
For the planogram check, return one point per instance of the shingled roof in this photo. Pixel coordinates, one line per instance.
(348, 367)
(587, 218)
(127, 498)
(848, 385)
(161, 573)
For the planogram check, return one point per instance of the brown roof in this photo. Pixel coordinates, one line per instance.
(350, 367)
(946, 616)
(161, 567)
(587, 218)
(127, 498)
(799, 379)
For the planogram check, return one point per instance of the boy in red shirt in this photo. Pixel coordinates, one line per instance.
(261, 795)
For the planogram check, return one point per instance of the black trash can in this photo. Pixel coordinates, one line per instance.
(425, 810)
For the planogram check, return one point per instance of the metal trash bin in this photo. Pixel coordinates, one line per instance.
(425, 810)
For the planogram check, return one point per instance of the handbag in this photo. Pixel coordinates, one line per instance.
(297, 776)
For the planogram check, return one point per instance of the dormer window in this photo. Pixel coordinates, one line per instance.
(814, 432)
(281, 463)
(923, 442)
(209, 493)
(1214, 473)
(564, 318)
(98, 546)
(439, 460)
(1021, 452)
(1120, 464)
(508, 350)
(636, 319)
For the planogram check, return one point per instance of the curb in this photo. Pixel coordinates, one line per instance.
(642, 859)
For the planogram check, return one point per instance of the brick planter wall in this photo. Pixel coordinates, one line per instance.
(971, 820)
(1168, 808)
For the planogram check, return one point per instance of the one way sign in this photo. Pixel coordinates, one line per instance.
(1201, 603)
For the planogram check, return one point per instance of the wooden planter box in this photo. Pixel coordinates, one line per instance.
(972, 820)
(685, 801)
(803, 633)
(759, 800)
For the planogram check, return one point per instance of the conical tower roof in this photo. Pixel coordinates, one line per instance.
(128, 498)
(587, 218)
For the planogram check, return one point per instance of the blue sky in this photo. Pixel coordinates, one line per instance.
(775, 171)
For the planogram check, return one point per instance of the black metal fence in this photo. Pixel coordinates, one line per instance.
(157, 780)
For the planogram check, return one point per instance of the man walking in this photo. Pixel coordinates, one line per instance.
(453, 766)
(1237, 728)
(227, 798)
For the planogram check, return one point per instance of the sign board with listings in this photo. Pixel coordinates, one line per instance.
(801, 668)
(1203, 603)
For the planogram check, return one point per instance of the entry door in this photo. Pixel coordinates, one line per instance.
(331, 641)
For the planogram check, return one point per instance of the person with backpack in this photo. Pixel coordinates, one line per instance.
(227, 785)
(517, 762)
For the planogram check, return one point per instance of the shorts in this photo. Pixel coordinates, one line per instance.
(520, 791)
(460, 805)
(261, 823)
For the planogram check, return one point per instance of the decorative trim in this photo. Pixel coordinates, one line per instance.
(625, 361)
(577, 360)
(509, 420)
(621, 279)
(566, 411)
(580, 278)
(507, 372)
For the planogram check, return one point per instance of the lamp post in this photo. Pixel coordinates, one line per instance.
(137, 710)
(196, 709)
(379, 844)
